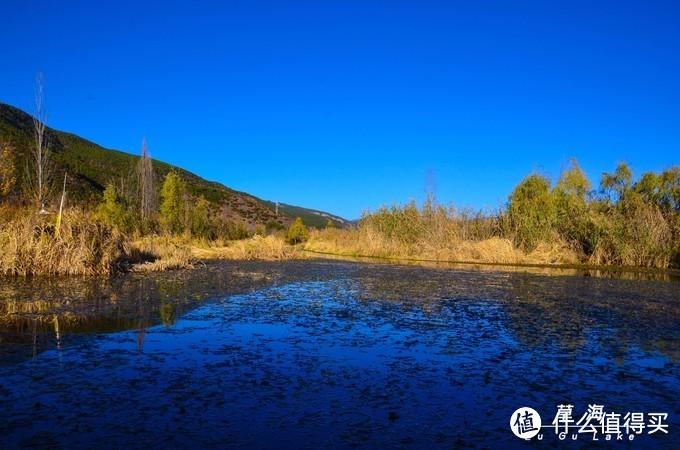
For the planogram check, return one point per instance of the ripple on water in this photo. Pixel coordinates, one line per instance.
(330, 354)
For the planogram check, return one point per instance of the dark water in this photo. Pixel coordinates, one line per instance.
(332, 354)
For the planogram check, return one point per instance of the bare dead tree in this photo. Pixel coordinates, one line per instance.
(148, 199)
(40, 171)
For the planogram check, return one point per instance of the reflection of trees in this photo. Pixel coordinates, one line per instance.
(36, 313)
(168, 314)
(611, 317)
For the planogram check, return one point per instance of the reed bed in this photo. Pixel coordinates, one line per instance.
(31, 244)
(267, 248)
(157, 253)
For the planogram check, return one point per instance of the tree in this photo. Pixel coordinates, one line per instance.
(616, 185)
(330, 225)
(273, 226)
(113, 209)
(172, 203)
(532, 212)
(7, 178)
(201, 225)
(297, 232)
(571, 196)
(146, 184)
(41, 164)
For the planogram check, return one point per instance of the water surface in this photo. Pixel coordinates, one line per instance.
(329, 354)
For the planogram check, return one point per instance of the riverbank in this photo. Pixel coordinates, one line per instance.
(173, 252)
(82, 244)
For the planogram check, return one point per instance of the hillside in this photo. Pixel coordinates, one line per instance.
(90, 167)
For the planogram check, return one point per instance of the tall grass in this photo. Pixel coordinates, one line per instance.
(156, 253)
(29, 245)
(623, 222)
(432, 232)
(267, 248)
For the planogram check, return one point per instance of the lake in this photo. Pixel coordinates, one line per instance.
(337, 354)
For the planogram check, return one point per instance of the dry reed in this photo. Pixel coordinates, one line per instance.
(30, 245)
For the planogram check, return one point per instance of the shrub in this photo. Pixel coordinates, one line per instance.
(297, 232)
(113, 210)
(532, 211)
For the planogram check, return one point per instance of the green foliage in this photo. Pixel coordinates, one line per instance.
(400, 223)
(571, 194)
(234, 229)
(201, 225)
(311, 218)
(634, 233)
(632, 223)
(532, 211)
(273, 226)
(90, 166)
(113, 210)
(172, 204)
(297, 232)
(330, 225)
(614, 186)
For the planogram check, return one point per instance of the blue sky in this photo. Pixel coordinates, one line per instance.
(344, 106)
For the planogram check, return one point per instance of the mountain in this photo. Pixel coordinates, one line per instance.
(90, 167)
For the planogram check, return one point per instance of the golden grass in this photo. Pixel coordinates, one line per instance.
(157, 253)
(368, 242)
(29, 245)
(269, 248)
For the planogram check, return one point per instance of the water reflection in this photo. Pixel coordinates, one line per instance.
(330, 354)
(35, 313)
(622, 273)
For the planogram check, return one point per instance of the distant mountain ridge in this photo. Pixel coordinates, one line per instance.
(90, 167)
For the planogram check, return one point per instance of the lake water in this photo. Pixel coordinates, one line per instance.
(335, 354)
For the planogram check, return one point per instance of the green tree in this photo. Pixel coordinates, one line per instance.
(572, 208)
(113, 210)
(201, 225)
(616, 185)
(172, 204)
(297, 232)
(273, 227)
(330, 225)
(532, 211)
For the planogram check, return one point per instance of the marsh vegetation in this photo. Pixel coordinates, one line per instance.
(624, 221)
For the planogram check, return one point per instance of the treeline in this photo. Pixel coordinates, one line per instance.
(623, 221)
(175, 212)
(139, 223)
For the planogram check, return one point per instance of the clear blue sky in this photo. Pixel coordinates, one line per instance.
(345, 105)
